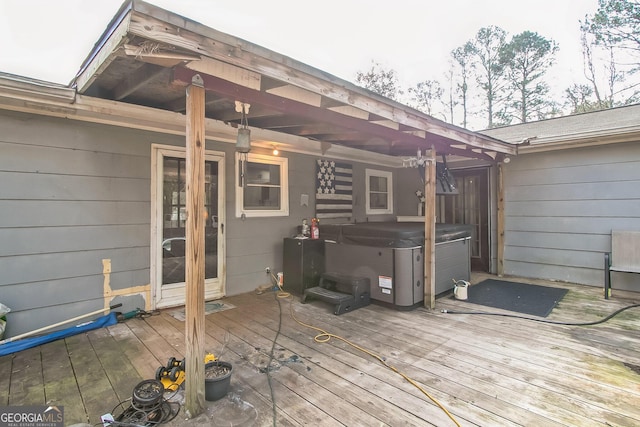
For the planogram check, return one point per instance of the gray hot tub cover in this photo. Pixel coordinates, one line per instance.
(391, 234)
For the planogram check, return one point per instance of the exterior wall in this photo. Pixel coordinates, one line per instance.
(408, 182)
(256, 243)
(73, 194)
(560, 208)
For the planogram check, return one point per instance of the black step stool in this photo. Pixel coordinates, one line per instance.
(346, 292)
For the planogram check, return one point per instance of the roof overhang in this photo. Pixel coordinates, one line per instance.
(148, 55)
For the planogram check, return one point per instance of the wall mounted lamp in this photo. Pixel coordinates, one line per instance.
(243, 141)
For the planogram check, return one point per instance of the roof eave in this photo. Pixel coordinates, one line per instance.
(141, 19)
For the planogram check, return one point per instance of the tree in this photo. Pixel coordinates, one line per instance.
(486, 50)
(462, 57)
(616, 23)
(380, 80)
(528, 56)
(597, 76)
(425, 94)
(578, 97)
(451, 102)
(614, 33)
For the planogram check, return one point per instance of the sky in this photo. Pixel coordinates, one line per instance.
(49, 39)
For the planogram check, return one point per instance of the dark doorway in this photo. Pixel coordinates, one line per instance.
(470, 206)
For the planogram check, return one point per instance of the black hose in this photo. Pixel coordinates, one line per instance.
(553, 322)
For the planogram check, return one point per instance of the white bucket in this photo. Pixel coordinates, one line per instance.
(460, 289)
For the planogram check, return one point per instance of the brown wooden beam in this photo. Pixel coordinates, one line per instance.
(350, 140)
(315, 129)
(194, 306)
(500, 219)
(276, 121)
(136, 80)
(183, 76)
(231, 115)
(430, 232)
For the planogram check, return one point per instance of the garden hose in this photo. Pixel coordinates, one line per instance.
(325, 336)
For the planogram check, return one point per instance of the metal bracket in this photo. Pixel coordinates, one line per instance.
(242, 107)
(197, 80)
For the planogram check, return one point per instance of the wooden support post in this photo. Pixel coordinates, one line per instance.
(500, 219)
(194, 260)
(430, 231)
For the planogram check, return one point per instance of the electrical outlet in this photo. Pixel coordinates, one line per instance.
(267, 270)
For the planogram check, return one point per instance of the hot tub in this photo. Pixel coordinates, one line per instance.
(390, 255)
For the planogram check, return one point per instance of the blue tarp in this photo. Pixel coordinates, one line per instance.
(23, 344)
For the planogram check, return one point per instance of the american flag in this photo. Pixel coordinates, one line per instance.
(334, 189)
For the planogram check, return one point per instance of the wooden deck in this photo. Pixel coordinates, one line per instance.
(485, 370)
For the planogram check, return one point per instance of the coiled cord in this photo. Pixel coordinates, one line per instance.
(136, 415)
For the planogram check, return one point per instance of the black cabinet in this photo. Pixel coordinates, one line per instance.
(303, 264)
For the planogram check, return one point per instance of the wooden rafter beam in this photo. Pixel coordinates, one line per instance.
(314, 129)
(145, 21)
(137, 80)
(279, 121)
(182, 76)
(231, 115)
(353, 138)
(267, 84)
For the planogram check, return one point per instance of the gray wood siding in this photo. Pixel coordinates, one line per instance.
(256, 243)
(560, 208)
(75, 193)
(71, 195)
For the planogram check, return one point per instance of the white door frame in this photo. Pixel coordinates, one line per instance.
(174, 294)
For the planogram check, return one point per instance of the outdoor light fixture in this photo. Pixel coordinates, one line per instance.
(243, 142)
(275, 150)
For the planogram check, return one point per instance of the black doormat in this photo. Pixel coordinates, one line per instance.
(535, 300)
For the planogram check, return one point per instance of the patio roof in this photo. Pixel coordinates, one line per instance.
(147, 56)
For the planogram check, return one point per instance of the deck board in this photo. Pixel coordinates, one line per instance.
(485, 370)
(61, 390)
(323, 380)
(26, 381)
(6, 363)
(142, 360)
(450, 391)
(121, 374)
(98, 397)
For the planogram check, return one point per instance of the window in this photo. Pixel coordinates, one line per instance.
(262, 188)
(379, 192)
